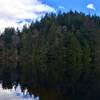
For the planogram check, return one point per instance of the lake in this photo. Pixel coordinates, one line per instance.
(15, 94)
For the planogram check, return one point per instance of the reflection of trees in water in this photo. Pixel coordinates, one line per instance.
(8, 76)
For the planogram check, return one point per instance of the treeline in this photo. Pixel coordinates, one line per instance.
(56, 58)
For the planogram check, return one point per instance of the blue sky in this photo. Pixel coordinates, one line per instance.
(79, 5)
(16, 13)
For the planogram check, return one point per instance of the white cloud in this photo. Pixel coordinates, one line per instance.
(12, 11)
(61, 7)
(91, 6)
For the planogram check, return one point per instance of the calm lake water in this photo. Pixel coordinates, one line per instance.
(15, 94)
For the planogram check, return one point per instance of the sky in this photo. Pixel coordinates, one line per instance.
(16, 13)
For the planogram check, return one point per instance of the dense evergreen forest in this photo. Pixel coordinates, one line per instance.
(56, 58)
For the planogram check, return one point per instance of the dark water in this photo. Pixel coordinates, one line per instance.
(14, 74)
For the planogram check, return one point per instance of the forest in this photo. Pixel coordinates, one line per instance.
(56, 58)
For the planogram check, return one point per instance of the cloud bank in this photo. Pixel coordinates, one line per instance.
(15, 13)
(91, 6)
